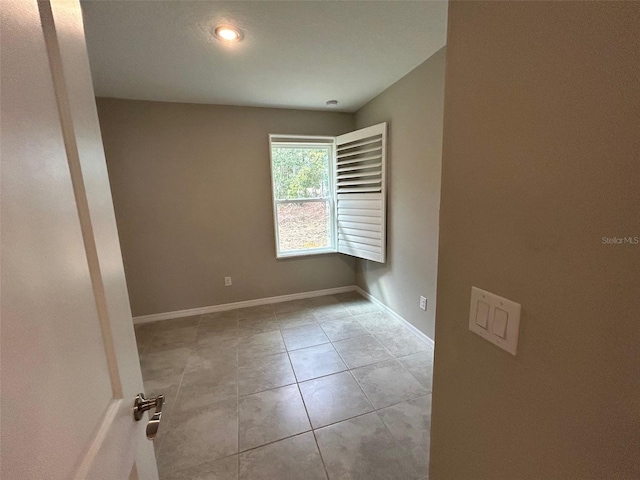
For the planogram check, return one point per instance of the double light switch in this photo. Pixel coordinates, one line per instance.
(495, 318)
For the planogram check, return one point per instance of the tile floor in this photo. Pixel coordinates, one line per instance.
(322, 388)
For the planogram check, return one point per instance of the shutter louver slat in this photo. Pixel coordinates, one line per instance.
(360, 232)
(359, 190)
(359, 160)
(359, 253)
(356, 219)
(363, 174)
(349, 182)
(361, 227)
(350, 168)
(376, 242)
(359, 246)
(361, 204)
(368, 141)
(361, 212)
(358, 152)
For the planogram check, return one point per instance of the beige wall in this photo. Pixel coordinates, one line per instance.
(413, 107)
(191, 188)
(541, 160)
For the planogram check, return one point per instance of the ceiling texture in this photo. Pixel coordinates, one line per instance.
(294, 54)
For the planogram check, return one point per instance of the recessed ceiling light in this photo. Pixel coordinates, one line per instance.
(332, 103)
(228, 34)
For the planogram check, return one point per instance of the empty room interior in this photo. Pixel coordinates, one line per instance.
(321, 240)
(276, 299)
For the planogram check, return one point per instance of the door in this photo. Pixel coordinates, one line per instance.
(69, 362)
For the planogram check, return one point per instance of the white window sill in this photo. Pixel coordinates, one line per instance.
(303, 253)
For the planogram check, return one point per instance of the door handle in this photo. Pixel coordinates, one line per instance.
(143, 404)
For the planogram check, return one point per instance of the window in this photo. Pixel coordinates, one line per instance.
(329, 193)
(301, 170)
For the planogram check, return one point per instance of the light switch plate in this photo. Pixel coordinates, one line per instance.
(507, 320)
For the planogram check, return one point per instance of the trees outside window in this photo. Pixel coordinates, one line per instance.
(302, 187)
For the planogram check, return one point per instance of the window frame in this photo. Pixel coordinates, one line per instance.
(309, 141)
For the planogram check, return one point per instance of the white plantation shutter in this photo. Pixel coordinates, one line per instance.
(361, 192)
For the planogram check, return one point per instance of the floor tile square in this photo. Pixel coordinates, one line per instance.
(216, 340)
(207, 386)
(388, 383)
(173, 338)
(251, 326)
(222, 315)
(322, 301)
(362, 350)
(227, 327)
(295, 319)
(326, 313)
(294, 306)
(362, 448)
(401, 342)
(143, 338)
(271, 415)
(265, 373)
(410, 424)
(198, 436)
(144, 328)
(356, 304)
(223, 469)
(378, 322)
(295, 458)
(180, 322)
(259, 345)
(312, 362)
(207, 356)
(259, 311)
(420, 365)
(342, 329)
(164, 363)
(333, 398)
(304, 336)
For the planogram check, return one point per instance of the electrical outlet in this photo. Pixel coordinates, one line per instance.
(423, 302)
(227, 281)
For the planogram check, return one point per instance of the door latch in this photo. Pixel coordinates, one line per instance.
(141, 405)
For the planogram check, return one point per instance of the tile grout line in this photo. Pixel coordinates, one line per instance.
(297, 383)
(375, 410)
(304, 404)
(238, 386)
(324, 466)
(329, 375)
(395, 439)
(175, 401)
(316, 429)
(238, 394)
(269, 443)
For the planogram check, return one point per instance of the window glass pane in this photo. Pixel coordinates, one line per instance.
(300, 172)
(304, 225)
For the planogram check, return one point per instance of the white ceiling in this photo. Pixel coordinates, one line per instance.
(295, 54)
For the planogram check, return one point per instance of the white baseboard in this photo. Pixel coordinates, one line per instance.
(391, 312)
(281, 298)
(247, 303)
